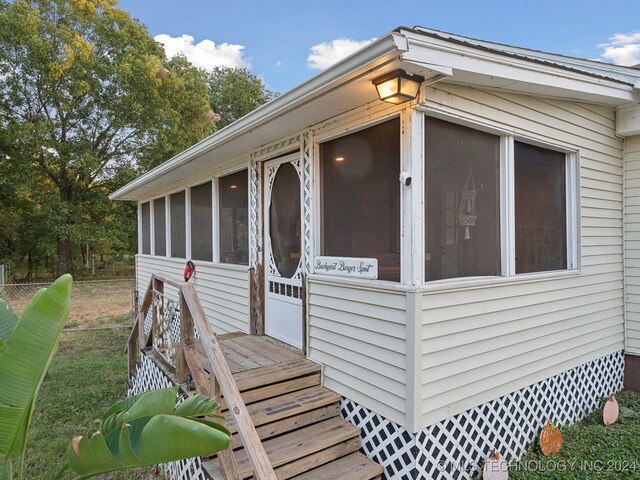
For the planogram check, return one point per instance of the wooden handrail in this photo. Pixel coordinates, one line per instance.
(262, 468)
(192, 315)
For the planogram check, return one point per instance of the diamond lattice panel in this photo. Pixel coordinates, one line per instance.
(455, 448)
(149, 377)
(389, 444)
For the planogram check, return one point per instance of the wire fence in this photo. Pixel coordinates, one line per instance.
(98, 304)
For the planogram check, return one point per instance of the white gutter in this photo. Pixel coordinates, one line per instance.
(317, 86)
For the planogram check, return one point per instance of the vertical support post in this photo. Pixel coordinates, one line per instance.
(132, 351)
(412, 197)
(158, 310)
(186, 339)
(141, 318)
(253, 327)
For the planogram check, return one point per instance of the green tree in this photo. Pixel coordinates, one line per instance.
(234, 92)
(85, 93)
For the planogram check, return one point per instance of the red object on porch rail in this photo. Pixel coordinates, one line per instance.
(189, 270)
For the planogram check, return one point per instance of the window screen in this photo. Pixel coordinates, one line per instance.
(159, 227)
(234, 218)
(361, 197)
(146, 228)
(541, 218)
(284, 220)
(462, 168)
(178, 225)
(201, 232)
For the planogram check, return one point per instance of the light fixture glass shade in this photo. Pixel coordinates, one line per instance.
(398, 86)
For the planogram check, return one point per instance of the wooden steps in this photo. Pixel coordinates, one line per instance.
(351, 467)
(297, 420)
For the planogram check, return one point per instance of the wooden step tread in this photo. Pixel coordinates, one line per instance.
(296, 445)
(279, 427)
(287, 405)
(352, 467)
(260, 377)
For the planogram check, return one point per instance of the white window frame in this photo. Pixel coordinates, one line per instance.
(168, 220)
(407, 152)
(167, 225)
(507, 206)
(152, 225)
(214, 190)
(226, 173)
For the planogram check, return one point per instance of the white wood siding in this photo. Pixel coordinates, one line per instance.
(480, 342)
(632, 242)
(359, 335)
(223, 289)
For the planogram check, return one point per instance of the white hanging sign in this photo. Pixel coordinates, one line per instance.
(347, 267)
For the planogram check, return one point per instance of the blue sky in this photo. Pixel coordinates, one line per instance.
(275, 39)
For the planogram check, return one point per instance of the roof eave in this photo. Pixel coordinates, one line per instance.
(324, 81)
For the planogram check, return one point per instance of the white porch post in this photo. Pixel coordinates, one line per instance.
(167, 225)
(215, 219)
(187, 222)
(412, 197)
(308, 198)
(139, 228)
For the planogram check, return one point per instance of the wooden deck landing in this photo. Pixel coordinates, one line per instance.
(248, 352)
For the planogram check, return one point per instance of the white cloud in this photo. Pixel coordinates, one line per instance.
(205, 54)
(325, 54)
(622, 49)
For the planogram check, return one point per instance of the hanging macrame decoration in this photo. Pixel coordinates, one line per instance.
(467, 210)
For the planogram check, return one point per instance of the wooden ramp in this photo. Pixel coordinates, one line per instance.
(296, 418)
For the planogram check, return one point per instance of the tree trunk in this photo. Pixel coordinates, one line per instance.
(64, 256)
(64, 243)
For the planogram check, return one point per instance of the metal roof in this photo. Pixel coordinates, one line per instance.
(618, 73)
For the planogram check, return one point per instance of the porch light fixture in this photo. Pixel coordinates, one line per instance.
(398, 86)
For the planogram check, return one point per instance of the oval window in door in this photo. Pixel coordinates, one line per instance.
(284, 220)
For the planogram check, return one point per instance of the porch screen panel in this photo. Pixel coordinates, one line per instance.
(201, 223)
(541, 217)
(234, 218)
(146, 228)
(159, 227)
(178, 224)
(361, 197)
(462, 201)
(284, 220)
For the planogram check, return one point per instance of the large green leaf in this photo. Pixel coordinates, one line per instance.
(8, 322)
(25, 357)
(156, 402)
(145, 441)
(147, 429)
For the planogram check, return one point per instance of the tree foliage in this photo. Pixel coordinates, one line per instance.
(234, 92)
(86, 94)
(88, 101)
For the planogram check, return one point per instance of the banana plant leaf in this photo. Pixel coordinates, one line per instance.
(146, 430)
(157, 402)
(27, 346)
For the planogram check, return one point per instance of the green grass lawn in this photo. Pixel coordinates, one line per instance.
(591, 451)
(88, 374)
